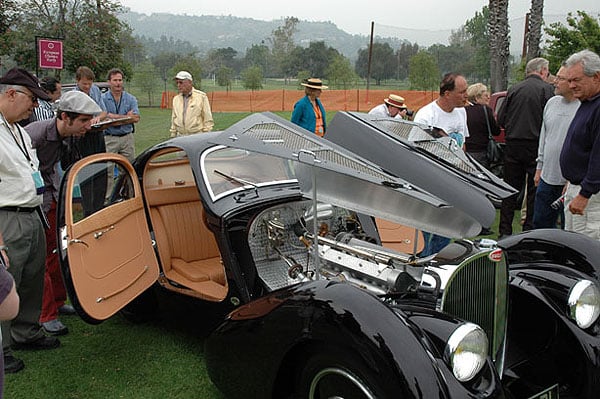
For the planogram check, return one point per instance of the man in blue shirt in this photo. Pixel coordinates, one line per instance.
(120, 104)
(580, 155)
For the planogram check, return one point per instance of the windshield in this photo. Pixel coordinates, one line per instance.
(227, 170)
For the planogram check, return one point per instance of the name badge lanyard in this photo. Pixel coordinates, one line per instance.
(22, 146)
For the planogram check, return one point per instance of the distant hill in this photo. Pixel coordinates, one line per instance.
(208, 32)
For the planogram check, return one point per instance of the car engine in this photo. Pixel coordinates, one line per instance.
(467, 279)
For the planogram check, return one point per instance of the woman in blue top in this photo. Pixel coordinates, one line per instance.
(308, 111)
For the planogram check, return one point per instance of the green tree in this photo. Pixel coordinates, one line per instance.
(146, 78)
(260, 56)
(424, 72)
(478, 35)
(8, 16)
(225, 77)
(252, 78)
(190, 64)
(315, 59)
(340, 73)
(301, 76)
(383, 62)
(582, 31)
(404, 52)
(221, 57)
(165, 63)
(282, 44)
(90, 29)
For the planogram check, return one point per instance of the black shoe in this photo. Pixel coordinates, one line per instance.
(486, 231)
(39, 344)
(67, 310)
(55, 327)
(12, 364)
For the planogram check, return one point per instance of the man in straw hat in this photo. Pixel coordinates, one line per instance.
(392, 107)
(53, 140)
(22, 238)
(308, 111)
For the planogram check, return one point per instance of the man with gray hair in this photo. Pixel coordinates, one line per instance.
(580, 155)
(191, 111)
(22, 239)
(521, 116)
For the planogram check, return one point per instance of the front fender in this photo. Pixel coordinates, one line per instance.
(280, 329)
(556, 246)
(544, 346)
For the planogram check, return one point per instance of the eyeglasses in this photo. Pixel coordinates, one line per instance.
(33, 98)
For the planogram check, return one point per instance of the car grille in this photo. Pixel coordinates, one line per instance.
(477, 292)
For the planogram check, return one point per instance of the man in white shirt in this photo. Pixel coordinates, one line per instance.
(392, 107)
(448, 114)
(21, 228)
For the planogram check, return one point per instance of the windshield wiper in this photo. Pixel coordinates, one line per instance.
(238, 180)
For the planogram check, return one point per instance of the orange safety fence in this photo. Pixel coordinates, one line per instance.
(283, 100)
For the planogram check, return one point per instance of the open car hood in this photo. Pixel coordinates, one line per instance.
(348, 180)
(421, 156)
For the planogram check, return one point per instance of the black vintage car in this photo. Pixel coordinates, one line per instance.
(284, 229)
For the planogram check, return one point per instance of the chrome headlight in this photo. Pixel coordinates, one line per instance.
(466, 351)
(584, 303)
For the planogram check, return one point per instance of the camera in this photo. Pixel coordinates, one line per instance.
(409, 112)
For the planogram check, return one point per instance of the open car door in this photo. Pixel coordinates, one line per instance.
(105, 248)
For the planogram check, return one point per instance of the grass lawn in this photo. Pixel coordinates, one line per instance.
(118, 359)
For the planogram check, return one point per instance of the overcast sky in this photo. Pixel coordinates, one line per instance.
(352, 18)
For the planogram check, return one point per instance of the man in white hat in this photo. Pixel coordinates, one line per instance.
(191, 110)
(392, 107)
(53, 140)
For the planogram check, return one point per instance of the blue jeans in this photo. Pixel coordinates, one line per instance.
(544, 217)
(433, 243)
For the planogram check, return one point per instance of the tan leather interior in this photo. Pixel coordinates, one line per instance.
(399, 237)
(187, 249)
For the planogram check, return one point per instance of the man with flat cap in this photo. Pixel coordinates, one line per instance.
(392, 107)
(22, 238)
(54, 141)
(191, 110)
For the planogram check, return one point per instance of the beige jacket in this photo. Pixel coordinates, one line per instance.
(198, 117)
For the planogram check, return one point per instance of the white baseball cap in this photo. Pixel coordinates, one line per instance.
(183, 75)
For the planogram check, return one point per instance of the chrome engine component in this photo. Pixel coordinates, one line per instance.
(468, 280)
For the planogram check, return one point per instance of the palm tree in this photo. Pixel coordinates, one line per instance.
(499, 44)
(534, 30)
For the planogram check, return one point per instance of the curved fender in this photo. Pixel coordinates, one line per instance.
(541, 331)
(555, 246)
(325, 313)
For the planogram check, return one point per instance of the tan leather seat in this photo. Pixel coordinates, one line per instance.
(399, 237)
(187, 248)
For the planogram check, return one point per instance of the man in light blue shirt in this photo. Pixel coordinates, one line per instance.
(120, 104)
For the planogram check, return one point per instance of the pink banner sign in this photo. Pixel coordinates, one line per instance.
(50, 53)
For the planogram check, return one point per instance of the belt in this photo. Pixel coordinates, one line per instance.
(19, 209)
(116, 135)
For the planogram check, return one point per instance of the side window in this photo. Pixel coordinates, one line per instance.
(99, 185)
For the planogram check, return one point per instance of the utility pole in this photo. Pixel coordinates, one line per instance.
(369, 62)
